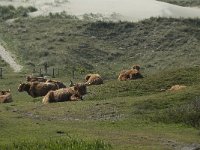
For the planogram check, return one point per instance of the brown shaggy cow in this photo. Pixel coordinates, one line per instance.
(34, 79)
(36, 89)
(5, 96)
(129, 75)
(137, 67)
(58, 83)
(177, 87)
(133, 73)
(66, 94)
(93, 79)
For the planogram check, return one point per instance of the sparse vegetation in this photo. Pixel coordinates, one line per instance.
(156, 43)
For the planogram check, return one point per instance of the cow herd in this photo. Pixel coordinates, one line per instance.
(56, 91)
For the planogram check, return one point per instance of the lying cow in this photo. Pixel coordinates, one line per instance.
(66, 94)
(58, 83)
(5, 96)
(93, 79)
(177, 87)
(131, 74)
(34, 79)
(37, 89)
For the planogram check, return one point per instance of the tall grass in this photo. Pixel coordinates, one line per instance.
(57, 144)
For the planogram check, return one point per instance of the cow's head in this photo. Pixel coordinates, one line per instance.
(4, 92)
(28, 78)
(23, 87)
(80, 88)
(137, 67)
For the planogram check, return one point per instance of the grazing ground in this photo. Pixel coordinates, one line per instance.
(139, 114)
(128, 115)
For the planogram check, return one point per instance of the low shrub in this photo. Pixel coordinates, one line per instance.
(188, 114)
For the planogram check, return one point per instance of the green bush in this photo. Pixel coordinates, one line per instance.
(10, 12)
(186, 113)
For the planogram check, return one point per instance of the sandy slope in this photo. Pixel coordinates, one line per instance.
(6, 56)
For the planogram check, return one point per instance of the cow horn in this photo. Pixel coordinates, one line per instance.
(71, 83)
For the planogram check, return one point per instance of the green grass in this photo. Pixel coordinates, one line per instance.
(191, 3)
(60, 144)
(137, 117)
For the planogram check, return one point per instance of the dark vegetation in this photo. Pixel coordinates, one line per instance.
(10, 12)
(191, 3)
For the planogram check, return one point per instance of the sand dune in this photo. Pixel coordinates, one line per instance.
(126, 10)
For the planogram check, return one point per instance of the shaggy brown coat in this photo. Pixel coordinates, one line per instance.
(93, 79)
(5, 97)
(129, 75)
(34, 79)
(58, 83)
(37, 89)
(66, 94)
(177, 87)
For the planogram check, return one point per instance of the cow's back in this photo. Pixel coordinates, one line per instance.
(41, 88)
(59, 95)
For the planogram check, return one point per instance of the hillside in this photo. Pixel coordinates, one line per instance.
(64, 41)
(131, 115)
(190, 3)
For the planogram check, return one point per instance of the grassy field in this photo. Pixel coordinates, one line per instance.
(117, 115)
(126, 115)
(191, 3)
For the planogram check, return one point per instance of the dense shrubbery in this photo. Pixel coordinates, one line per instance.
(10, 12)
